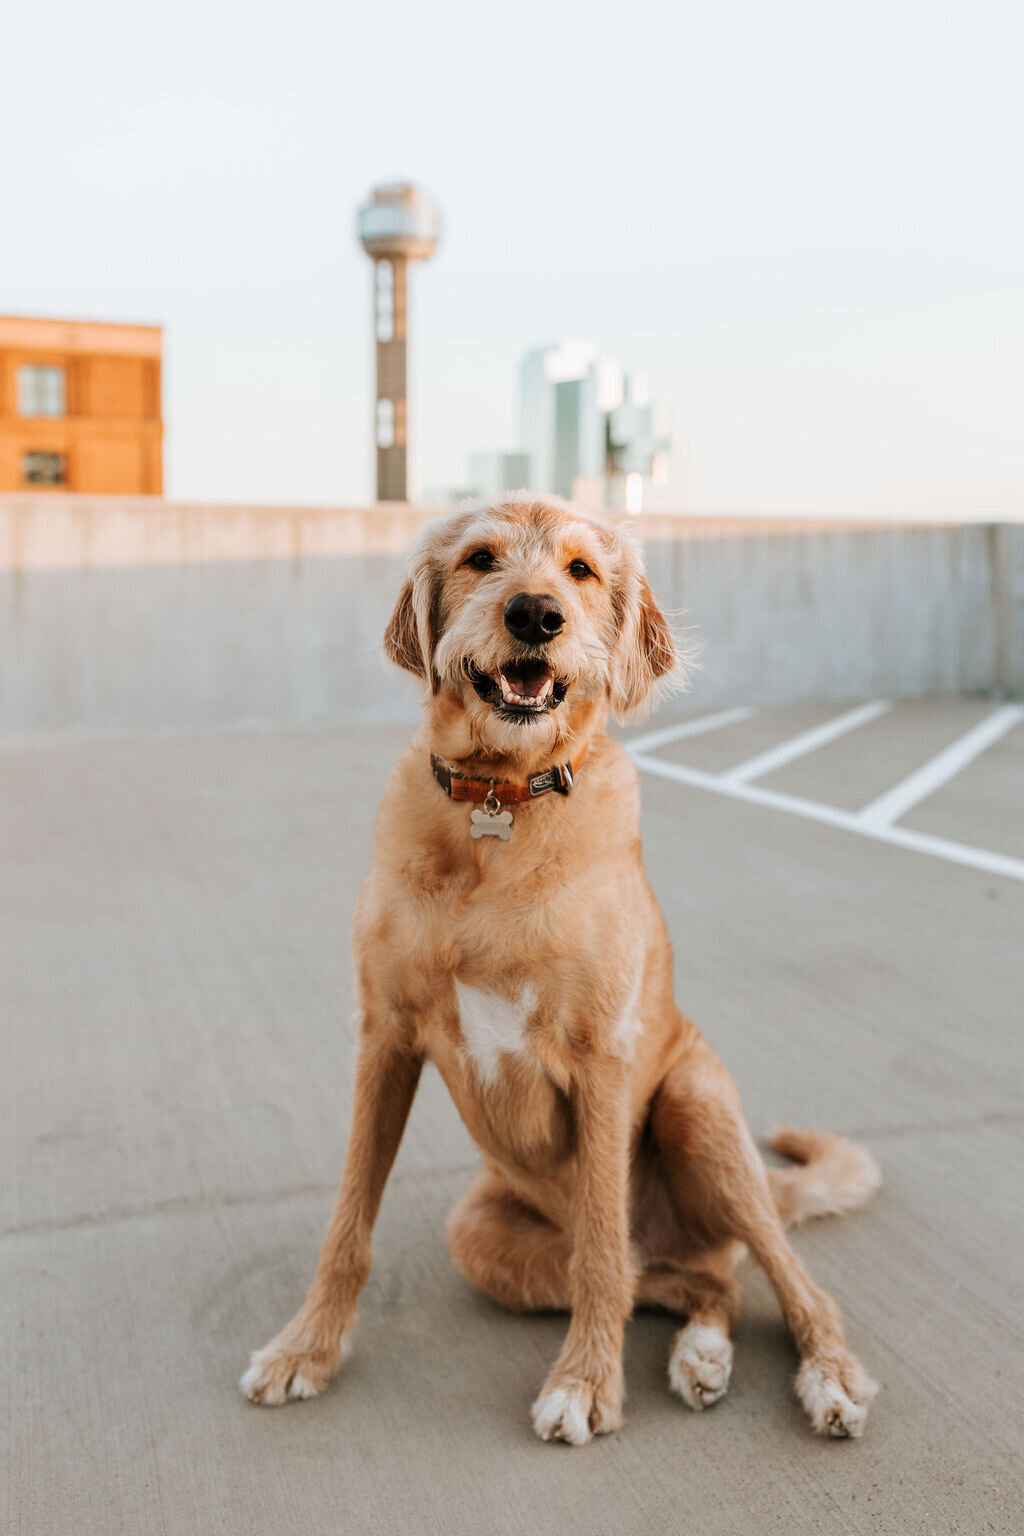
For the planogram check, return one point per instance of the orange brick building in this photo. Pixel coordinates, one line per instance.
(80, 407)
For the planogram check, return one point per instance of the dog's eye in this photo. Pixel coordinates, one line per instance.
(483, 560)
(579, 570)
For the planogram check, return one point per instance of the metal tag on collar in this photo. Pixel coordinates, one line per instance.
(492, 821)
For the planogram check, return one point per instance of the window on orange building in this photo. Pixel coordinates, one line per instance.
(39, 468)
(41, 390)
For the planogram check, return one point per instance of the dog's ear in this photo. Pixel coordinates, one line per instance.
(411, 635)
(645, 663)
(401, 638)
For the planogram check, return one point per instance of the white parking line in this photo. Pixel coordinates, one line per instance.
(698, 727)
(848, 821)
(807, 741)
(896, 802)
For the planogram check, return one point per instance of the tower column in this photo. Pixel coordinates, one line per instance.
(398, 225)
(390, 411)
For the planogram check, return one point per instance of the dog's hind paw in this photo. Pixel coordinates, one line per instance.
(700, 1364)
(836, 1396)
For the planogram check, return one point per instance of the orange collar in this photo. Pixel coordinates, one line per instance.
(459, 787)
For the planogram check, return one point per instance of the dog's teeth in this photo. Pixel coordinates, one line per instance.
(512, 695)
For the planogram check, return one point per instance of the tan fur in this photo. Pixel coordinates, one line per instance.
(618, 1168)
(837, 1175)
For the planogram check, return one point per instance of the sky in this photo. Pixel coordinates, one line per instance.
(802, 221)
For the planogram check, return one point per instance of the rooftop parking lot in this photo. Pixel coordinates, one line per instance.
(844, 886)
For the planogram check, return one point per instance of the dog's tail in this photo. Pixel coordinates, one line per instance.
(835, 1175)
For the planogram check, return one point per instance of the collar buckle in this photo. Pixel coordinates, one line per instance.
(559, 778)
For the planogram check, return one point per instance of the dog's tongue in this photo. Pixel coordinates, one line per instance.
(525, 682)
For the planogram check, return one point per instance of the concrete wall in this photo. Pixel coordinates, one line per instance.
(121, 613)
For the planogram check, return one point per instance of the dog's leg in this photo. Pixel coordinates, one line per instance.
(300, 1360)
(511, 1251)
(719, 1181)
(583, 1394)
(522, 1259)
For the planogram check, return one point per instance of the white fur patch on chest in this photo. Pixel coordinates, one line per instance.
(493, 1026)
(626, 1034)
(629, 1027)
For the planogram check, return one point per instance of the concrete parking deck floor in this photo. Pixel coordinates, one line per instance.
(175, 993)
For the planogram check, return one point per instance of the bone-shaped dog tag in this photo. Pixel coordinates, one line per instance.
(491, 824)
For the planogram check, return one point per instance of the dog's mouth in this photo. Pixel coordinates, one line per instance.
(519, 689)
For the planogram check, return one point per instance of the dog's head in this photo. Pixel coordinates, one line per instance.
(526, 616)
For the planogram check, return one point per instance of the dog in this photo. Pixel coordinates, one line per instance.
(507, 933)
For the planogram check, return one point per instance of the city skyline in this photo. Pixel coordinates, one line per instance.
(796, 222)
(587, 431)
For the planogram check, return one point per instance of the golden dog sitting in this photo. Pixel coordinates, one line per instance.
(507, 933)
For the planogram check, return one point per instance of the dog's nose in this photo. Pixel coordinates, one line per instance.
(534, 617)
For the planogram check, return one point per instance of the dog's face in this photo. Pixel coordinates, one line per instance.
(523, 616)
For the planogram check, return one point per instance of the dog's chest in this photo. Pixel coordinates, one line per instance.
(502, 1074)
(493, 1027)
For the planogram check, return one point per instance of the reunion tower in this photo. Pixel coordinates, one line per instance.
(399, 224)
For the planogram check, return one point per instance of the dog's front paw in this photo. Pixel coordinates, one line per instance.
(574, 1410)
(700, 1364)
(287, 1371)
(836, 1395)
